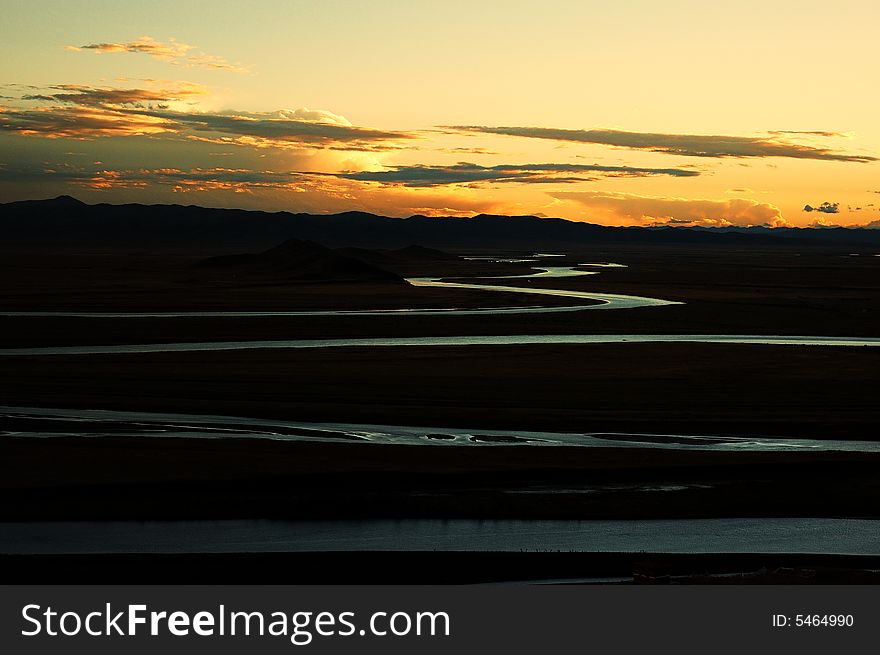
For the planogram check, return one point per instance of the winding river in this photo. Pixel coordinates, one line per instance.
(853, 536)
(49, 423)
(599, 301)
(422, 342)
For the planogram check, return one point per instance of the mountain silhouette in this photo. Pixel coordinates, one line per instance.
(65, 221)
(300, 260)
(409, 255)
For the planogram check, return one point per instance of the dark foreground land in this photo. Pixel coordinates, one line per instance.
(810, 291)
(440, 568)
(714, 389)
(785, 391)
(153, 478)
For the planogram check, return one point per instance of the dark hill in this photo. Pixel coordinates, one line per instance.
(67, 222)
(420, 253)
(408, 255)
(375, 257)
(411, 261)
(301, 260)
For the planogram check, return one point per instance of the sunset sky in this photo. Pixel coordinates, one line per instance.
(632, 113)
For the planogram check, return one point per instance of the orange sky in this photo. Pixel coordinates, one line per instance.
(641, 113)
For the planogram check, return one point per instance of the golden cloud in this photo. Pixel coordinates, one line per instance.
(80, 122)
(689, 145)
(80, 94)
(85, 112)
(172, 51)
(632, 209)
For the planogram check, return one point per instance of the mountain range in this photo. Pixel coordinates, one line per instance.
(65, 221)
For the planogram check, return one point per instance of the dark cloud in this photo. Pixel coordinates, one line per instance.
(272, 129)
(411, 176)
(201, 179)
(93, 96)
(80, 123)
(464, 173)
(825, 208)
(691, 145)
(83, 112)
(307, 192)
(196, 179)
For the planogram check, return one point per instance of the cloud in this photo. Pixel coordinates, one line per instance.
(172, 51)
(469, 151)
(467, 173)
(83, 112)
(690, 145)
(299, 191)
(627, 208)
(216, 62)
(825, 208)
(255, 188)
(311, 115)
(79, 94)
(80, 123)
(178, 179)
(827, 223)
(809, 133)
(271, 129)
(823, 222)
(195, 179)
(146, 45)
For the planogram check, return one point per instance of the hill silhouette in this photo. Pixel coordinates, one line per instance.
(65, 221)
(408, 255)
(301, 260)
(420, 253)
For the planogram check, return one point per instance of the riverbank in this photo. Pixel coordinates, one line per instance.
(820, 291)
(143, 478)
(671, 388)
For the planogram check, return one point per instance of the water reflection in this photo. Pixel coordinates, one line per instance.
(768, 535)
